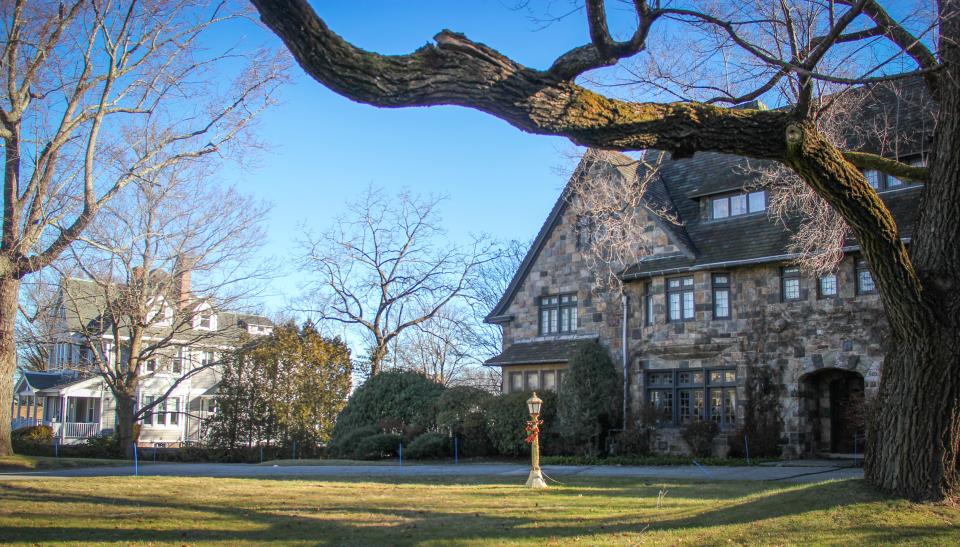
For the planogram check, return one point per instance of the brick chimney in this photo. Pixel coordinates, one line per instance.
(181, 283)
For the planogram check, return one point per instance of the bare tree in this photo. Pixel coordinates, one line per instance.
(162, 262)
(384, 268)
(99, 94)
(37, 326)
(731, 53)
(608, 197)
(438, 348)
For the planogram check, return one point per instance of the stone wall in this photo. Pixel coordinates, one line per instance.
(794, 339)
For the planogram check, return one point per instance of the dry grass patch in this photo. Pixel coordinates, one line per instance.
(200, 511)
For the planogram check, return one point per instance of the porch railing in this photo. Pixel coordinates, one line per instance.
(80, 430)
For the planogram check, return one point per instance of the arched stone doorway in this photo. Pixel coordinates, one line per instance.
(834, 411)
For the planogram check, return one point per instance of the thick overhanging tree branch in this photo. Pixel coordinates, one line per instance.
(457, 71)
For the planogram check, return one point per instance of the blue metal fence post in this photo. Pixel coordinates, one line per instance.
(401, 453)
(294, 450)
(56, 447)
(746, 447)
(456, 450)
(136, 467)
(261, 453)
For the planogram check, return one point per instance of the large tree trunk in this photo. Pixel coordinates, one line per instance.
(914, 440)
(9, 290)
(127, 430)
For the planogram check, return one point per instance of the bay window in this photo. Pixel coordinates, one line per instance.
(683, 396)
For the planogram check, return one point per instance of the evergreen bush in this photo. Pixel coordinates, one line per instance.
(429, 446)
(591, 400)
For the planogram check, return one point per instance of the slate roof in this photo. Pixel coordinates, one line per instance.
(682, 184)
(537, 352)
(86, 303)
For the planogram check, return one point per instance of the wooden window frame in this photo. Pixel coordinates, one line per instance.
(570, 306)
(725, 387)
(682, 290)
(860, 266)
(790, 272)
(721, 287)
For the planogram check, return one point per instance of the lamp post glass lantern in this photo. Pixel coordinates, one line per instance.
(534, 404)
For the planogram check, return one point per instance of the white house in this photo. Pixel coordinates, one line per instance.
(77, 403)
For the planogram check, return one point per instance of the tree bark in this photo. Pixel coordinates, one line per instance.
(127, 431)
(9, 292)
(914, 439)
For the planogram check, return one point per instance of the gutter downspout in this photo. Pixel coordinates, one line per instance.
(626, 361)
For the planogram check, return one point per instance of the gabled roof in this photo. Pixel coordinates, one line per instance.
(51, 380)
(903, 107)
(86, 302)
(656, 198)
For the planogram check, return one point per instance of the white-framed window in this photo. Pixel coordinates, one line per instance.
(208, 357)
(732, 205)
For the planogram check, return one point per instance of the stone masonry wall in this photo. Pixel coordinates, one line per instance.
(795, 339)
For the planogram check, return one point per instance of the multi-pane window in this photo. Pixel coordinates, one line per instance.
(152, 364)
(882, 181)
(534, 380)
(148, 417)
(865, 284)
(208, 358)
(586, 227)
(689, 395)
(516, 382)
(648, 303)
(680, 303)
(558, 314)
(177, 365)
(827, 285)
(721, 296)
(737, 204)
(790, 283)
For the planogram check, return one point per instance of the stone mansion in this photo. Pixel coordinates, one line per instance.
(718, 301)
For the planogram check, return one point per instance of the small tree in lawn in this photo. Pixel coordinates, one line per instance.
(283, 388)
(590, 403)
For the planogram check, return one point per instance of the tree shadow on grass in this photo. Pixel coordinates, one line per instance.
(375, 521)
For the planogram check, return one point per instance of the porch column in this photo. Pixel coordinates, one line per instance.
(18, 406)
(36, 408)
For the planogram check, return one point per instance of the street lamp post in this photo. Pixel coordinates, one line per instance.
(535, 480)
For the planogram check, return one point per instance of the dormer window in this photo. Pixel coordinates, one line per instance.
(732, 205)
(882, 181)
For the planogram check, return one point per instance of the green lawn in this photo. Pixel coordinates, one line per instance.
(252, 511)
(16, 463)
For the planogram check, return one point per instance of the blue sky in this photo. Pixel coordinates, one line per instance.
(324, 149)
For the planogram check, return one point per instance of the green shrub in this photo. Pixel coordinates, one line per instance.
(462, 412)
(377, 447)
(346, 445)
(507, 418)
(633, 442)
(400, 400)
(699, 437)
(429, 446)
(37, 434)
(592, 398)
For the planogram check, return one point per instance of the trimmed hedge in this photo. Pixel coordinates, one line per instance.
(429, 446)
